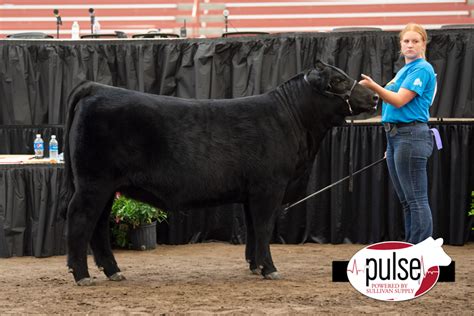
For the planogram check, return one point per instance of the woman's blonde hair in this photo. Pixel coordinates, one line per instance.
(418, 29)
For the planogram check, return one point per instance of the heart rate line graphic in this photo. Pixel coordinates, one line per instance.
(354, 268)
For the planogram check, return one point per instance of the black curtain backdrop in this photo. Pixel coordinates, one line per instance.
(37, 76)
(29, 197)
(369, 214)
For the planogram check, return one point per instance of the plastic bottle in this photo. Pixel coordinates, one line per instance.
(38, 145)
(182, 31)
(75, 31)
(96, 27)
(53, 148)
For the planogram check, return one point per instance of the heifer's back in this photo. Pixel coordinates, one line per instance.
(183, 153)
(177, 153)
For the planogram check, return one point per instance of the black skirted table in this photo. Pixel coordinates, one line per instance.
(29, 219)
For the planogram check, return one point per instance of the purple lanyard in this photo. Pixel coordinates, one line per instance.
(439, 143)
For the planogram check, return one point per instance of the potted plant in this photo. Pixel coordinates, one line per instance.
(135, 223)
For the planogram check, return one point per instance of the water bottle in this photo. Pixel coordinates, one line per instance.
(53, 148)
(38, 145)
(75, 31)
(96, 27)
(182, 31)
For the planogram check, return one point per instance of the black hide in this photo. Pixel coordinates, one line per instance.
(179, 153)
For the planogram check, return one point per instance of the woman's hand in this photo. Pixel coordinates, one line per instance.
(397, 99)
(367, 81)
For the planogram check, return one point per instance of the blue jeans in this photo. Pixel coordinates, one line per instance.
(408, 150)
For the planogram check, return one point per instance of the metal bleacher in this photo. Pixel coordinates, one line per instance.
(277, 16)
(205, 17)
(130, 17)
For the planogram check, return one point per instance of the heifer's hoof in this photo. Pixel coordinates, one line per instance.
(272, 276)
(256, 271)
(85, 282)
(117, 277)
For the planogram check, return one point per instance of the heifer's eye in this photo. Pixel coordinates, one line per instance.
(336, 81)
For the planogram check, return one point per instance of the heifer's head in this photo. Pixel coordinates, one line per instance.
(335, 83)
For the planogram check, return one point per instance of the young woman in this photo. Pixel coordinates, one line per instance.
(405, 113)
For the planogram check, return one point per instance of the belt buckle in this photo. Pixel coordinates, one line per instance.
(390, 128)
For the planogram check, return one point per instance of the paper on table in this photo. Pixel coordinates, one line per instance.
(23, 159)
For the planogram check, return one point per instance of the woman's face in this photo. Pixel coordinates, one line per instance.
(412, 45)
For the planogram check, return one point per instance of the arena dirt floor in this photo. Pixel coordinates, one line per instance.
(212, 278)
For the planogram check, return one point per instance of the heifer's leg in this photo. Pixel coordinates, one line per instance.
(83, 213)
(263, 211)
(100, 244)
(250, 241)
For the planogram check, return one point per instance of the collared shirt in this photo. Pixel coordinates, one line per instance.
(419, 77)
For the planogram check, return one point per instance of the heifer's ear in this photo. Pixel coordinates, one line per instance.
(318, 79)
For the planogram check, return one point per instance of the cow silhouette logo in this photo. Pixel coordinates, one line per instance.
(417, 82)
(397, 271)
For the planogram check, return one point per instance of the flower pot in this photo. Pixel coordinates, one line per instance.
(143, 237)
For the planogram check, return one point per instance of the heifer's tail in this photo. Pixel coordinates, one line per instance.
(67, 188)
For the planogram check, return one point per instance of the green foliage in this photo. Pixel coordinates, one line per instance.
(128, 214)
(120, 235)
(135, 213)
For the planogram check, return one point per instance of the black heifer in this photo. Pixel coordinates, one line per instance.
(181, 153)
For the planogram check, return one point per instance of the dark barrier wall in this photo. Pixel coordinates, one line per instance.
(37, 76)
(371, 213)
(29, 196)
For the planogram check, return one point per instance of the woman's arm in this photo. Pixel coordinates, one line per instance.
(397, 99)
